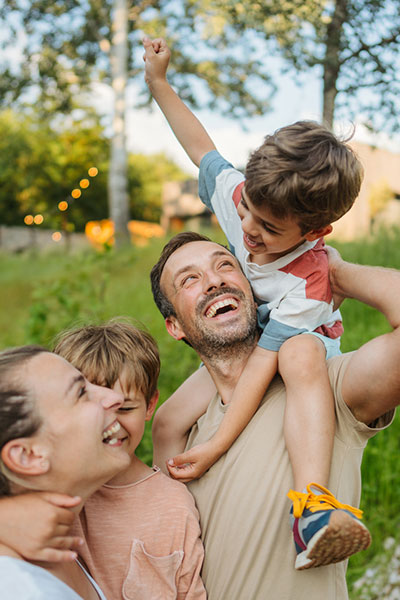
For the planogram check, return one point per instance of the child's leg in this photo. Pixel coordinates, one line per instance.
(309, 424)
(324, 530)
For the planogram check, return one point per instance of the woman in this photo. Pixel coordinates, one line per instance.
(57, 433)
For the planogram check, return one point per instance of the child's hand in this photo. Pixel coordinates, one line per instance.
(193, 463)
(156, 57)
(36, 525)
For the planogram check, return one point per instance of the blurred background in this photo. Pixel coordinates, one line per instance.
(93, 183)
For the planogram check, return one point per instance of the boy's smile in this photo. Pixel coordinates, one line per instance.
(266, 237)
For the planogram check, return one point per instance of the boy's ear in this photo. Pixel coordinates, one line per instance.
(151, 407)
(173, 328)
(25, 457)
(314, 234)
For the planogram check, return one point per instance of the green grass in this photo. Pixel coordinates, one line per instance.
(44, 293)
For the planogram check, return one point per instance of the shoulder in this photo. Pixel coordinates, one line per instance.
(20, 579)
(173, 493)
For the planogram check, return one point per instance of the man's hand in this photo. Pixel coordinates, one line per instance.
(37, 524)
(193, 463)
(156, 57)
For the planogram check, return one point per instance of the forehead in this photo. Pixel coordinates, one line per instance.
(193, 255)
(50, 378)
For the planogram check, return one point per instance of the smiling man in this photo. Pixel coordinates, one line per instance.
(206, 300)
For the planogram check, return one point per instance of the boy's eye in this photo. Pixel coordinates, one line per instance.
(243, 203)
(271, 231)
(82, 391)
(125, 408)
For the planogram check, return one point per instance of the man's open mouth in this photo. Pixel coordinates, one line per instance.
(220, 307)
(109, 434)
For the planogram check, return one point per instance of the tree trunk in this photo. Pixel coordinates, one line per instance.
(117, 181)
(331, 63)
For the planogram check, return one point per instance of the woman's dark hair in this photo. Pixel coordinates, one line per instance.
(18, 415)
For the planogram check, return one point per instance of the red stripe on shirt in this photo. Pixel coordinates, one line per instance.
(312, 266)
(237, 194)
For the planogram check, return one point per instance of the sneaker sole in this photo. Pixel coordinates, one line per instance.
(342, 537)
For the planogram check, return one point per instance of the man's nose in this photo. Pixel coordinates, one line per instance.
(214, 281)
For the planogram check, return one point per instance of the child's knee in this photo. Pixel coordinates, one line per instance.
(301, 355)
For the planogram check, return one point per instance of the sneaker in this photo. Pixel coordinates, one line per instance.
(324, 530)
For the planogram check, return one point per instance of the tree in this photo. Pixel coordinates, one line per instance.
(353, 44)
(66, 48)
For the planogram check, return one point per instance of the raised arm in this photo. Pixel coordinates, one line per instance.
(187, 128)
(371, 384)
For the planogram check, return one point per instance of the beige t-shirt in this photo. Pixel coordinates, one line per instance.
(244, 511)
(142, 541)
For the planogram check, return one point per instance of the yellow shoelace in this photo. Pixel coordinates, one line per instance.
(314, 502)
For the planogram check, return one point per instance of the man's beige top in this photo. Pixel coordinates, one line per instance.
(244, 512)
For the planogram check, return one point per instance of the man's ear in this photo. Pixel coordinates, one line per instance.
(173, 328)
(314, 234)
(25, 457)
(151, 407)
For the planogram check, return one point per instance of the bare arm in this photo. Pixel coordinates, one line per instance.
(248, 393)
(174, 419)
(371, 385)
(187, 128)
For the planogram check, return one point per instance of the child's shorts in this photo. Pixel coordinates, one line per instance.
(332, 346)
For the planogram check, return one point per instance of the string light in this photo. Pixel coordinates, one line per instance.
(76, 193)
(28, 220)
(92, 172)
(63, 205)
(38, 219)
(84, 183)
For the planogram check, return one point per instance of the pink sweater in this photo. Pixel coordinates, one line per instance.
(142, 541)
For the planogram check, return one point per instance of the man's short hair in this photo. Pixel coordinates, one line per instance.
(164, 305)
(101, 352)
(303, 171)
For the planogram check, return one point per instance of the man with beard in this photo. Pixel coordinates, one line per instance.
(248, 551)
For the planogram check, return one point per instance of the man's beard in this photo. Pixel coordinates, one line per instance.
(233, 338)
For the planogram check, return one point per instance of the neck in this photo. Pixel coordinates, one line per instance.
(226, 368)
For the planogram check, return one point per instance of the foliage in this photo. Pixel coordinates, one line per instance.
(146, 175)
(65, 49)
(353, 45)
(41, 163)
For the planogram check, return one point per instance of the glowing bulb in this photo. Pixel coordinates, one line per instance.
(84, 183)
(93, 171)
(28, 220)
(38, 219)
(56, 236)
(76, 193)
(63, 205)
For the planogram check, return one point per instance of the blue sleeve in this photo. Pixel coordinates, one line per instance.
(211, 165)
(274, 333)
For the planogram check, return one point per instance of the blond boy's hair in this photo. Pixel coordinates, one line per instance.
(101, 352)
(303, 171)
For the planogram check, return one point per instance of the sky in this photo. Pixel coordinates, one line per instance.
(149, 133)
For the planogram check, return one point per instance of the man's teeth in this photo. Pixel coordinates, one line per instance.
(214, 308)
(108, 433)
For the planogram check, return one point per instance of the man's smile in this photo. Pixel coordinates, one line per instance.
(221, 306)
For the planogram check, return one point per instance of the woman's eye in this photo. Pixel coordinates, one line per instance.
(82, 391)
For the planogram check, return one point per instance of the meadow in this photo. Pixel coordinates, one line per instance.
(45, 293)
